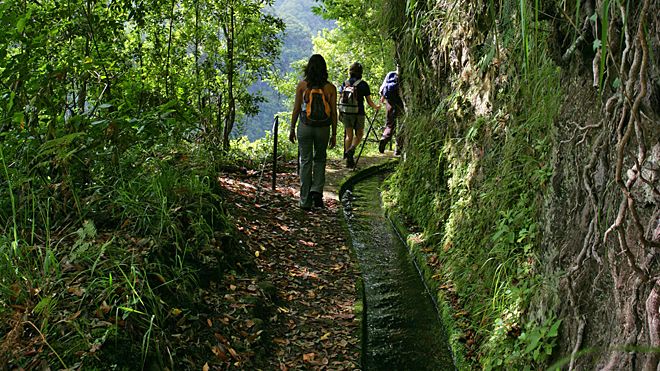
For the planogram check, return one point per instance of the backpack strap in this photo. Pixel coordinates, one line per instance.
(357, 82)
(308, 91)
(310, 87)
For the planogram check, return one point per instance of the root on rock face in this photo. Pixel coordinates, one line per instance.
(578, 341)
(625, 138)
(653, 323)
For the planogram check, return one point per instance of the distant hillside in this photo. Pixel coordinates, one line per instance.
(301, 25)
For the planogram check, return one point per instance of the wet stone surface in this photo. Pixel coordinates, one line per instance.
(402, 327)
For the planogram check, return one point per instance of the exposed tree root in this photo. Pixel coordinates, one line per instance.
(626, 121)
(578, 341)
(653, 323)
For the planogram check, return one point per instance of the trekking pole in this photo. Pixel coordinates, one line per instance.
(276, 126)
(343, 143)
(366, 137)
(263, 162)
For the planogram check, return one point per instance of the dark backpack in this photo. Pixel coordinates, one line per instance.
(316, 108)
(390, 87)
(348, 101)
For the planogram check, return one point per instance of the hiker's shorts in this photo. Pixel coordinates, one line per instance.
(355, 122)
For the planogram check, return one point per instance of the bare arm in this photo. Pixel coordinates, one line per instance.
(296, 110)
(371, 103)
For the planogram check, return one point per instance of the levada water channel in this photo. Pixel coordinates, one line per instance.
(401, 327)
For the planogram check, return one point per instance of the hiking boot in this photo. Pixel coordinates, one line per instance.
(317, 199)
(381, 145)
(350, 162)
(349, 153)
(397, 153)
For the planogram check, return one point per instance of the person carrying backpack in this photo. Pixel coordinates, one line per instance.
(389, 94)
(352, 94)
(316, 107)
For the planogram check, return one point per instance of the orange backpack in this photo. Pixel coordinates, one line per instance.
(316, 107)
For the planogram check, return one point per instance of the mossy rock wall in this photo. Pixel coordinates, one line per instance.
(531, 168)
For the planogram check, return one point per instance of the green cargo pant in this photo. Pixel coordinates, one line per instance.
(312, 146)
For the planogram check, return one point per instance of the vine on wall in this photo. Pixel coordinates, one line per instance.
(489, 90)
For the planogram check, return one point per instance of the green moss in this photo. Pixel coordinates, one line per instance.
(474, 183)
(448, 315)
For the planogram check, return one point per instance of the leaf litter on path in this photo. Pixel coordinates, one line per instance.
(295, 308)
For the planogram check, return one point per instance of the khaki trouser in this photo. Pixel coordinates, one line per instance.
(312, 146)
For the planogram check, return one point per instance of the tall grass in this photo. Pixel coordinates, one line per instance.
(98, 292)
(12, 200)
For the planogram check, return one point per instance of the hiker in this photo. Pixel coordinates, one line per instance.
(316, 106)
(389, 94)
(352, 93)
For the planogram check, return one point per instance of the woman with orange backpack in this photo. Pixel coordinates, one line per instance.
(316, 107)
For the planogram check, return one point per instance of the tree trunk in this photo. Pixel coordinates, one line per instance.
(82, 95)
(169, 50)
(230, 115)
(198, 92)
(217, 133)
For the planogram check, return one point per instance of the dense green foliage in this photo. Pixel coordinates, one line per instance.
(301, 26)
(111, 120)
(357, 38)
(116, 117)
(483, 92)
(67, 65)
(475, 174)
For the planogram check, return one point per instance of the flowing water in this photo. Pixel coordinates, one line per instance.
(402, 330)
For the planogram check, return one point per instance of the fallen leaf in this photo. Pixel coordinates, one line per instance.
(217, 350)
(105, 308)
(160, 278)
(233, 353)
(95, 347)
(280, 341)
(221, 338)
(307, 243)
(77, 291)
(309, 357)
(74, 316)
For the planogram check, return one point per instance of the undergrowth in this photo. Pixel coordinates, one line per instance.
(100, 260)
(474, 179)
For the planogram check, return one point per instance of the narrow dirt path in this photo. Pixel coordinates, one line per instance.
(292, 307)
